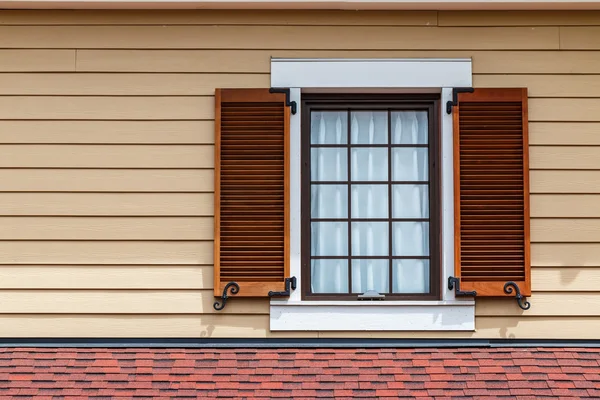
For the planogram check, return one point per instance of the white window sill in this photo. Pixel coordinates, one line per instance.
(451, 315)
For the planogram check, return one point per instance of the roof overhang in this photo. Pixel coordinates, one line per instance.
(307, 4)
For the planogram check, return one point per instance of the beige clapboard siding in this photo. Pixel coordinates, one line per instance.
(565, 254)
(564, 157)
(565, 205)
(127, 84)
(543, 304)
(518, 327)
(202, 107)
(107, 132)
(545, 85)
(258, 61)
(566, 279)
(109, 228)
(564, 133)
(548, 181)
(107, 180)
(518, 18)
(111, 108)
(106, 277)
(107, 204)
(277, 37)
(142, 326)
(106, 156)
(123, 302)
(217, 17)
(37, 60)
(107, 252)
(244, 326)
(204, 84)
(565, 230)
(575, 110)
(580, 38)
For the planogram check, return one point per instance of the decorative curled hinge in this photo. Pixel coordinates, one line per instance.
(290, 284)
(292, 104)
(510, 287)
(234, 289)
(454, 102)
(454, 284)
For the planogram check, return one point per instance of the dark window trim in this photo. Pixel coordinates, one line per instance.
(429, 102)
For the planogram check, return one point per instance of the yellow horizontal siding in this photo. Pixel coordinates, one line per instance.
(107, 204)
(103, 276)
(278, 37)
(106, 127)
(107, 132)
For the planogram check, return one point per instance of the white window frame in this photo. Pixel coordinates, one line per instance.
(373, 76)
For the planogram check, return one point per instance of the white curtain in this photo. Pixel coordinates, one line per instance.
(369, 200)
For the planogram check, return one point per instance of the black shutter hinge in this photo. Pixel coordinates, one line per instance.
(292, 104)
(290, 284)
(235, 288)
(509, 287)
(454, 284)
(454, 102)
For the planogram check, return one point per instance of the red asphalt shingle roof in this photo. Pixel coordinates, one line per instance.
(446, 373)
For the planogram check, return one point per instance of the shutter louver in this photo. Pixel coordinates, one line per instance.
(491, 182)
(251, 191)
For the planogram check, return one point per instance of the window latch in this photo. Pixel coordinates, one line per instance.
(371, 295)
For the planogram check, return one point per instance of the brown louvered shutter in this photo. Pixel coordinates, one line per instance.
(251, 191)
(491, 183)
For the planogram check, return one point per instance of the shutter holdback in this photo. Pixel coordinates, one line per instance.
(521, 301)
(292, 104)
(454, 102)
(235, 288)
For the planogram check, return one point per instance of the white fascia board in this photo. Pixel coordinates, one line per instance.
(370, 73)
(306, 4)
(358, 316)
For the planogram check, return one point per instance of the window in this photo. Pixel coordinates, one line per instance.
(370, 197)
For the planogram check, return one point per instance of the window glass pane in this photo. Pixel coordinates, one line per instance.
(410, 201)
(410, 238)
(329, 239)
(410, 276)
(329, 201)
(370, 238)
(329, 164)
(329, 127)
(409, 127)
(370, 164)
(370, 201)
(409, 164)
(370, 275)
(329, 276)
(369, 127)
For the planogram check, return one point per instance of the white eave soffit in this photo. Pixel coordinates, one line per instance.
(307, 4)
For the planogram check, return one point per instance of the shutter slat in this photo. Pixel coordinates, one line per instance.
(492, 191)
(251, 191)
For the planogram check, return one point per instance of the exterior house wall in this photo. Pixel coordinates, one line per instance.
(106, 131)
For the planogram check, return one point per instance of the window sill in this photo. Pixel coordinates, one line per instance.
(452, 315)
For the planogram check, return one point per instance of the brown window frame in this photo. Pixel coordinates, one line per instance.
(362, 102)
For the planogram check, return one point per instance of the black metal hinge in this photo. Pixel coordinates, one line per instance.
(454, 102)
(290, 284)
(292, 104)
(235, 288)
(454, 284)
(510, 287)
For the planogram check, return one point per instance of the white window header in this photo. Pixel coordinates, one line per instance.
(371, 73)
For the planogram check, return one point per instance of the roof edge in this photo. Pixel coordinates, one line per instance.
(290, 343)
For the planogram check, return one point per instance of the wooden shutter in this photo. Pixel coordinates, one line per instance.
(251, 191)
(491, 184)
